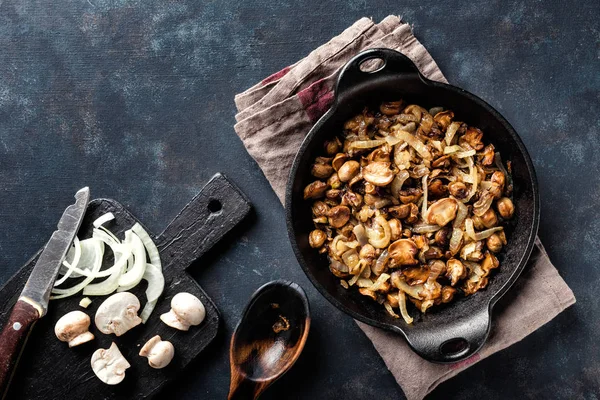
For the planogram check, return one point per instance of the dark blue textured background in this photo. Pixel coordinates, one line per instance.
(135, 99)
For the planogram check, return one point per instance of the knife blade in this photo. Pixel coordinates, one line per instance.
(41, 280)
(33, 301)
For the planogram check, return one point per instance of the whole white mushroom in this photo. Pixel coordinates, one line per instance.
(118, 314)
(109, 365)
(186, 310)
(159, 352)
(73, 327)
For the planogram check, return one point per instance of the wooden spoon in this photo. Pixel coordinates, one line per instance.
(269, 338)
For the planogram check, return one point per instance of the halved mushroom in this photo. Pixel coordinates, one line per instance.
(455, 271)
(338, 216)
(186, 310)
(442, 237)
(395, 228)
(410, 195)
(489, 219)
(109, 365)
(315, 190)
(506, 208)
(334, 181)
(118, 314)
(339, 160)
(401, 211)
(332, 146)
(320, 209)
(378, 173)
(321, 171)
(441, 212)
(437, 188)
(495, 242)
(159, 352)
(458, 190)
(403, 252)
(348, 170)
(317, 238)
(73, 328)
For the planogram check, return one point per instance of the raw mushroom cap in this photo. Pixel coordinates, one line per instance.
(109, 365)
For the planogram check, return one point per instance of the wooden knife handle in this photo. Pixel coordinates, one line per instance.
(13, 338)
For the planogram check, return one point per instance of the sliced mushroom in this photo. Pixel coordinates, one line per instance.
(186, 310)
(159, 352)
(448, 293)
(415, 275)
(441, 212)
(109, 365)
(395, 228)
(442, 237)
(378, 173)
(437, 188)
(73, 328)
(315, 190)
(118, 314)
(403, 252)
(401, 211)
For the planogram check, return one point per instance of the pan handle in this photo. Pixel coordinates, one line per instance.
(359, 71)
(453, 342)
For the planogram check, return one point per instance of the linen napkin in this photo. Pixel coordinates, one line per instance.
(273, 118)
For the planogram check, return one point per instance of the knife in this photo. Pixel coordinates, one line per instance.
(33, 301)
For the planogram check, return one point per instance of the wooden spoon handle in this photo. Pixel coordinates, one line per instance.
(13, 338)
(244, 389)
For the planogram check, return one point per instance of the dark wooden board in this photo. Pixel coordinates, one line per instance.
(50, 370)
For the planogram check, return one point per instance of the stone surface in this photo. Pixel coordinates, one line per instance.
(135, 99)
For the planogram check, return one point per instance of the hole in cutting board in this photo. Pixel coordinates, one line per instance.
(214, 206)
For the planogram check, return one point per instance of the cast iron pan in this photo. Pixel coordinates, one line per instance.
(451, 332)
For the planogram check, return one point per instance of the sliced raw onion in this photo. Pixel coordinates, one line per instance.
(103, 219)
(136, 273)
(98, 255)
(151, 248)
(156, 284)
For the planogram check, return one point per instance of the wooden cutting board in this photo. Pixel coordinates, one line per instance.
(49, 369)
